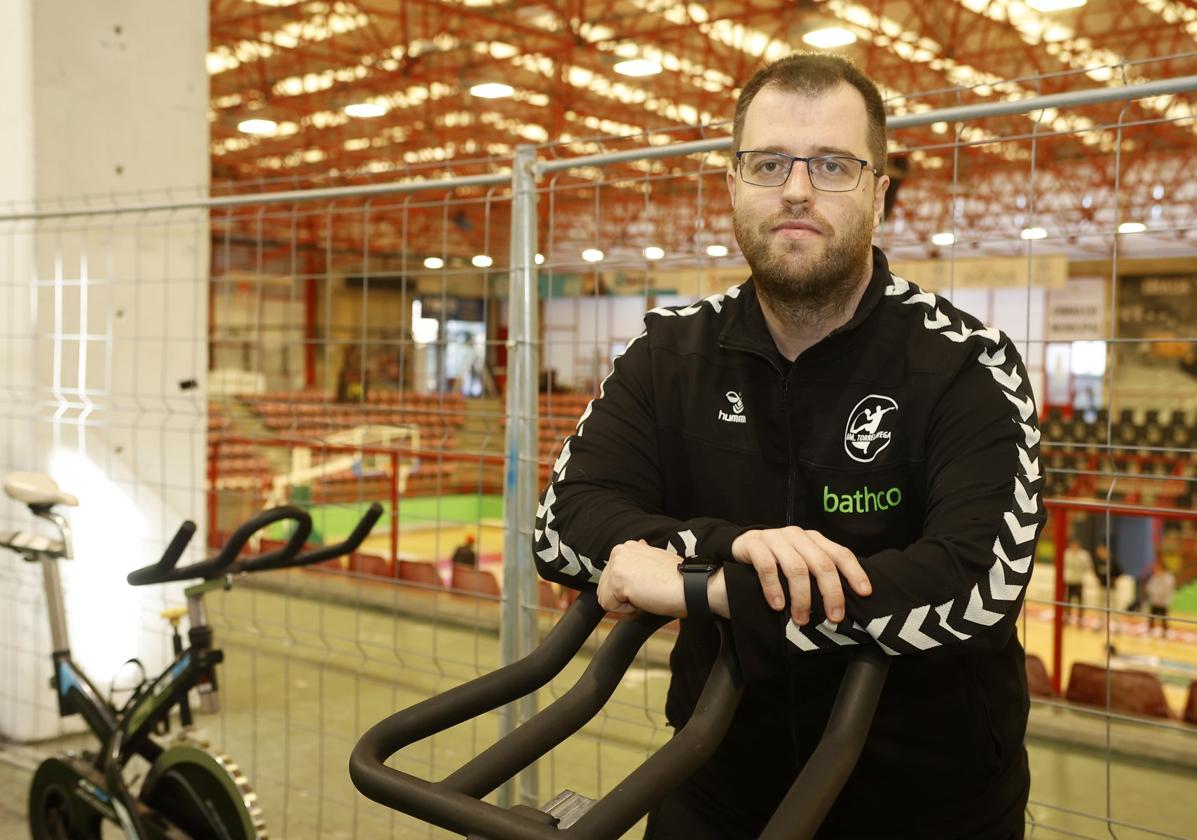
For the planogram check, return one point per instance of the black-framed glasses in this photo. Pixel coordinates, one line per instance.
(829, 173)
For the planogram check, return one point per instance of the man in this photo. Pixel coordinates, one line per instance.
(464, 555)
(861, 460)
(1077, 562)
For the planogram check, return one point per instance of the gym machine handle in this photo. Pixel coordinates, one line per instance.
(164, 570)
(279, 560)
(456, 801)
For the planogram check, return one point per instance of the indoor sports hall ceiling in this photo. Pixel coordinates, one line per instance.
(326, 92)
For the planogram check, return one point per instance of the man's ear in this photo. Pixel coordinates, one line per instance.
(879, 200)
(731, 186)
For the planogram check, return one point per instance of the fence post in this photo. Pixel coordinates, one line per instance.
(517, 628)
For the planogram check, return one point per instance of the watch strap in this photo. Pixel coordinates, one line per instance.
(694, 589)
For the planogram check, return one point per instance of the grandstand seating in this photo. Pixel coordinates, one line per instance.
(1038, 682)
(1130, 692)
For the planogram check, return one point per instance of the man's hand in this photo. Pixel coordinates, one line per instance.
(799, 555)
(640, 577)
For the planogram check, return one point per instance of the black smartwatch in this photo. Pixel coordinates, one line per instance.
(695, 574)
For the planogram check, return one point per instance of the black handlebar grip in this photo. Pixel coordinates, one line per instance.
(279, 557)
(215, 566)
(169, 557)
(350, 544)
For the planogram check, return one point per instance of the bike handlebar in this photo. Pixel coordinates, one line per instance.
(456, 802)
(282, 558)
(164, 570)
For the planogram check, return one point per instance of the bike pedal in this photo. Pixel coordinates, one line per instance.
(568, 807)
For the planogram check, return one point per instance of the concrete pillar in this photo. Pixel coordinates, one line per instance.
(103, 318)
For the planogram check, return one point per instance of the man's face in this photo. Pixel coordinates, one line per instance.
(808, 249)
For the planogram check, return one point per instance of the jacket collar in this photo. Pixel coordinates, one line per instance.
(746, 328)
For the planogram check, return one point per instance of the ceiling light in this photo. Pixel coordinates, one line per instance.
(1033, 233)
(652, 252)
(540, 259)
(434, 262)
(481, 261)
(492, 90)
(1132, 227)
(1055, 5)
(592, 255)
(257, 126)
(1157, 192)
(943, 238)
(365, 110)
(637, 67)
(829, 37)
(716, 250)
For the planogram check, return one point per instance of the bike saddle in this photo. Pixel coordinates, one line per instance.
(36, 490)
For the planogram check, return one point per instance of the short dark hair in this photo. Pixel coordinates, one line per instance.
(811, 74)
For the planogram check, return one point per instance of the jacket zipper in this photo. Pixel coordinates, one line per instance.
(785, 414)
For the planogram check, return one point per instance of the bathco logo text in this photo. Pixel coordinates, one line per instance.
(863, 500)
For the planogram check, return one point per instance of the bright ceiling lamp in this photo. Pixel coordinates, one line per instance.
(943, 238)
(539, 259)
(716, 250)
(481, 261)
(829, 37)
(1132, 227)
(1055, 5)
(1033, 233)
(434, 262)
(365, 110)
(257, 126)
(491, 90)
(637, 67)
(652, 252)
(593, 255)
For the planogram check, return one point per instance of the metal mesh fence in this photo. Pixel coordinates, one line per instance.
(429, 343)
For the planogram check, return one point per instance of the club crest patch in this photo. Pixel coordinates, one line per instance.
(870, 427)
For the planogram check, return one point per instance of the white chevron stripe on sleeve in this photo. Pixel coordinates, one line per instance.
(829, 630)
(1025, 406)
(958, 336)
(671, 549)
(551, 553)
(897, 287)
(998, 587)
(993, 357)
(938, 322)
(1010, 381)
(921, 297)
(1030, 466)
(943, 610)
(1020, 533)
(1027, 504)
(798, 638)
(976, 612)
(911, 632)
(1020, 566)
(1030, 434)
(690, 541)
(876, 638)
(572, 566)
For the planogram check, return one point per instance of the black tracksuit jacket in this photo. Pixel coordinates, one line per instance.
(909, 435)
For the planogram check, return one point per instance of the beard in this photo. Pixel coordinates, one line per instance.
(805, 288)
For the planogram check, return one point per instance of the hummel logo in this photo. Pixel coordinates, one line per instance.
(737, 404)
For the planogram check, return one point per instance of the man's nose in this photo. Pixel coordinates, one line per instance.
(798, 189)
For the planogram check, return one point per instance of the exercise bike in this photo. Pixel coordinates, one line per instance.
(456, 802)
(189, 791)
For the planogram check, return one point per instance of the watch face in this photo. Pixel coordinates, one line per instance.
(705, 568)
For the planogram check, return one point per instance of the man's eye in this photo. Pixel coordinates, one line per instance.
(831, 167)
